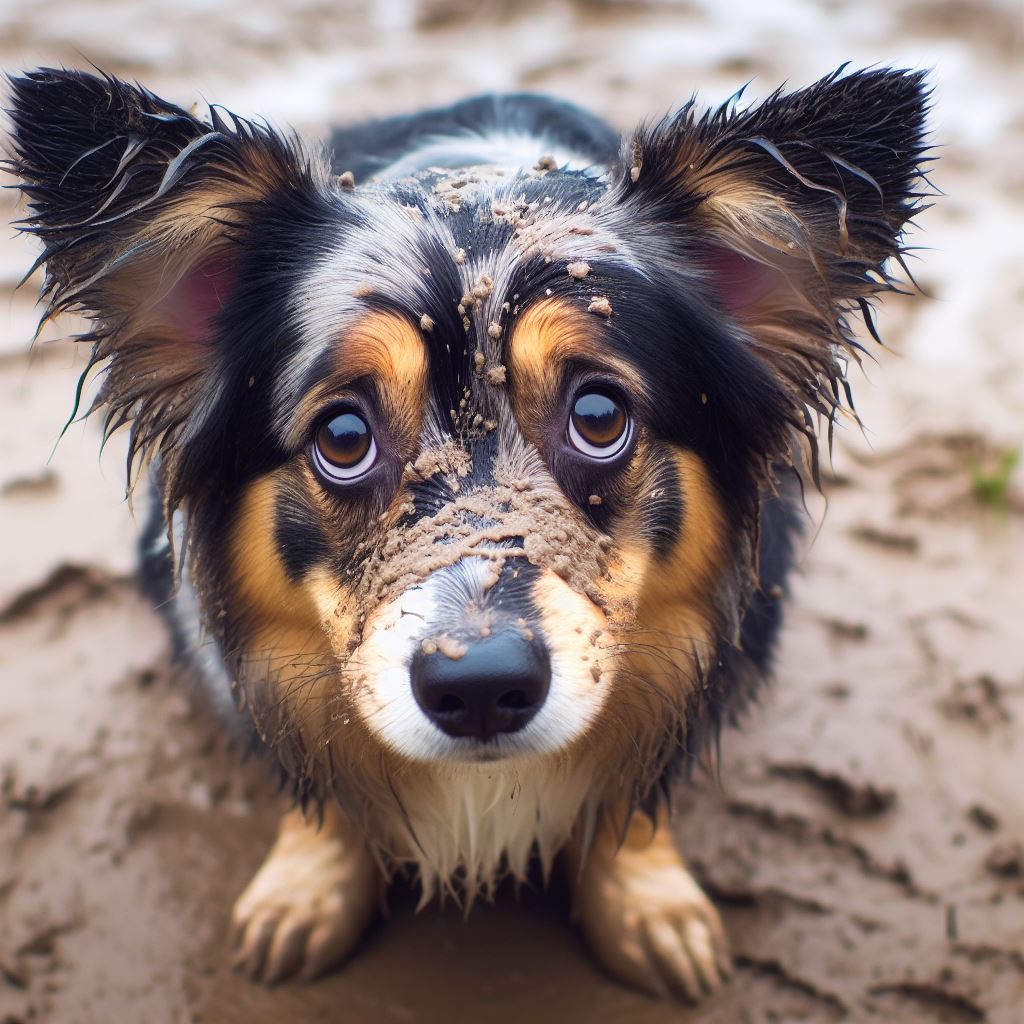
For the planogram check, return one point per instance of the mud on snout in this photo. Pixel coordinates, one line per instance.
(488, 637)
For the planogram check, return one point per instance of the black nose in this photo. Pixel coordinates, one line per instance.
(497, 685)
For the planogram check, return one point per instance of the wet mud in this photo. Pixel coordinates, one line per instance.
(863, 831)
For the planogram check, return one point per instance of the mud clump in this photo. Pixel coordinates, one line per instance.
(450, 459)
(599, 304)
(482, 288)
(636, 163)
(480, 523)
(451, 648)
(448, 646)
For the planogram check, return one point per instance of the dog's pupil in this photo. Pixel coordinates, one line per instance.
(344, 439)
(599, 419)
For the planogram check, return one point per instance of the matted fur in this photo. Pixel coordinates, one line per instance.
(710, 278)
(819, 185)
(123, 221)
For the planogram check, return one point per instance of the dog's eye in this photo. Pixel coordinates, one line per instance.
(599, 425)
(344, 448)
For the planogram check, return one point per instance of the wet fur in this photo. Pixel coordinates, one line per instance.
(798, 203)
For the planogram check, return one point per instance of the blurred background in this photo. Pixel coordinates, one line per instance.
(864, 835)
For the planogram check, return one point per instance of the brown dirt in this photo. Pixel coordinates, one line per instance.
(864, 837)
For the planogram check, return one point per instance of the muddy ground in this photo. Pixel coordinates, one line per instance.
(864, 837)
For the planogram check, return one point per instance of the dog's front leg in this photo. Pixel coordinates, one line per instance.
(645, 918)
(310, 902)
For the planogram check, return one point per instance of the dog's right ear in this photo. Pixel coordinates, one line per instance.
(141, 207)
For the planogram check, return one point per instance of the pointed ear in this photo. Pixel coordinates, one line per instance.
(142, 208)
(792, 210)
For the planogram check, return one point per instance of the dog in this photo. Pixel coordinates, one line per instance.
(477, 440)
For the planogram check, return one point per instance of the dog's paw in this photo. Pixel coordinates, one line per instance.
(651, 926)
(307, 907)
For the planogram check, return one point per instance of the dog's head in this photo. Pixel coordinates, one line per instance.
(471, 465)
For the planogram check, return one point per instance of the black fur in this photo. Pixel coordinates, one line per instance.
(298, 535)
(845, 157)
(366, 149)
(98, 158)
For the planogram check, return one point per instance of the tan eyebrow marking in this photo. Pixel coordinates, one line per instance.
(548, 334)
(390, 351)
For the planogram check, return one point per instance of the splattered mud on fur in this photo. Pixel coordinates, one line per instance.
(450, 460)
(553, 534)
(815, 888)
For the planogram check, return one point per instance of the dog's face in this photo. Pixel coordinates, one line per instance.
(487, 479)
(471, 464)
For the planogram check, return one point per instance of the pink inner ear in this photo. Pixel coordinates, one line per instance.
(198, 297)
(738, 280)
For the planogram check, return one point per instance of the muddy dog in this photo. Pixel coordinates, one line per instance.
(476, 440)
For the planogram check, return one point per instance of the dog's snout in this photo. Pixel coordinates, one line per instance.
(495, 685)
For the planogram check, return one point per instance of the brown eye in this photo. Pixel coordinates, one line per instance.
(344, 448)
(598, 425)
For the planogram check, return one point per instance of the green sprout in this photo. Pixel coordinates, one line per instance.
(990, 484)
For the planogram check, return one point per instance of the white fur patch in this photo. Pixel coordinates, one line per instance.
(474, 812)
(374, 256)
(387, 704)
(470, 825)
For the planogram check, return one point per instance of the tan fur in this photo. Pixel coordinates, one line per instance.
(659, 655)
(736, 206)
(310, 903)
(287, 649)
(260, 579)
(389, 351)
(680, 586)
(548, 334)
(645, 918)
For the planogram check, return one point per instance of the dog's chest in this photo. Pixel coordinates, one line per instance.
(470, 825)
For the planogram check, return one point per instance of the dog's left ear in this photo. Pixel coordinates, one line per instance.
(791, 211)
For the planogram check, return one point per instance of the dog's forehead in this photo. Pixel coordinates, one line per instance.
(459, 253)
